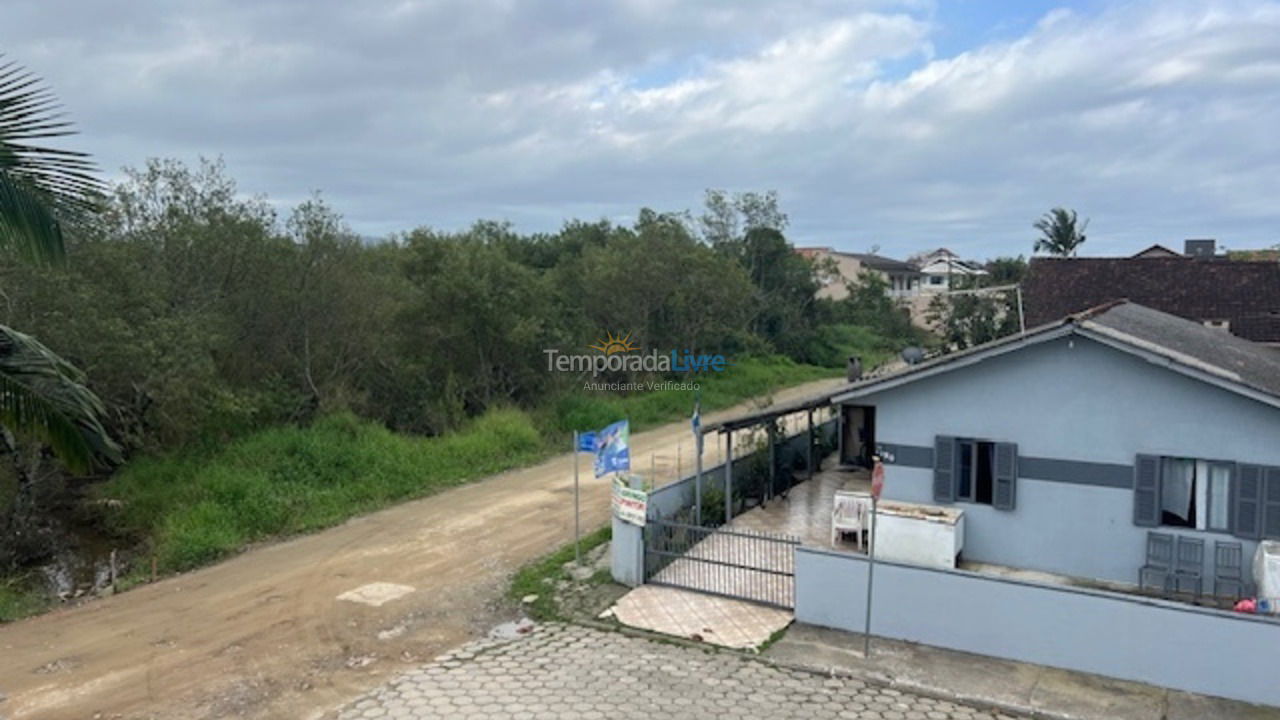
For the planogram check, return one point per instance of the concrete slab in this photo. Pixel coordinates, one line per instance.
(1002, 684)
(697, 616)
(1081, 695)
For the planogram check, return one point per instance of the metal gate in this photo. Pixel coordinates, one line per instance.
(736, 563)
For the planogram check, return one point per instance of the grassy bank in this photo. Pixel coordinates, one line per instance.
(538, 579)
(581, 409)
(20, 598)
(191, 508)
(197, 508)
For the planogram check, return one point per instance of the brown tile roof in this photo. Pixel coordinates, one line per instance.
(1246, 294)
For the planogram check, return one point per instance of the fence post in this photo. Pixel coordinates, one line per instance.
(728, 476)
(810, 458)
(697, 478)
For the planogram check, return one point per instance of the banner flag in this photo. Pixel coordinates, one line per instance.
(587, 441)
(613, 448)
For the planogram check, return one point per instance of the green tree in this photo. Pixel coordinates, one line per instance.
(1061, 232)
(473, 330)
(869, 305)
(41, 395)
(1006, 271)
(966, 319)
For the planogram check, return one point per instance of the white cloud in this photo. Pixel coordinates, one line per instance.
(1153, 118)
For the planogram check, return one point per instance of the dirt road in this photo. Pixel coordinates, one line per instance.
(263, 635)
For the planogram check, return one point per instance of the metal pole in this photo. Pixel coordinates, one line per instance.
(679, 467)
(728, 476)
(773, 459)
(810, 465)
(1022, 320)
(871, 569)
(653, 470)
(697, 479)
(577, 530)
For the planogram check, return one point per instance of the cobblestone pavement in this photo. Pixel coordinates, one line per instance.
(573, 673)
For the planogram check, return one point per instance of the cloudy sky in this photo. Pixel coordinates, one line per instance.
(905, 125)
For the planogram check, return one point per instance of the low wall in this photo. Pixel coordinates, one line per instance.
(1153, 641)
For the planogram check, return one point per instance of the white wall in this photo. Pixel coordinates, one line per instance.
(1163, 643)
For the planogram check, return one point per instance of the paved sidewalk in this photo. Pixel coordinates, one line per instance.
(574, 673)
(989, 682)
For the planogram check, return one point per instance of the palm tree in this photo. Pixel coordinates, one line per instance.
(43, 396)
(1059, 234)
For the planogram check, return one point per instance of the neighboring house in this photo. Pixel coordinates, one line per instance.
(843, 268)
(1157, 251)
(1238, 296)
(944, 270)
(1066, 445)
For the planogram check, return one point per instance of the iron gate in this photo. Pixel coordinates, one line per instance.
(736, 563)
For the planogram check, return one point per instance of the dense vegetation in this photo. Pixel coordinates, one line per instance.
(269, 373)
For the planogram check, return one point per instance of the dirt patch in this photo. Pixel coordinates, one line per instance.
(263, 634)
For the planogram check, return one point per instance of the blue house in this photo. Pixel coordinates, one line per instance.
(1065, 446)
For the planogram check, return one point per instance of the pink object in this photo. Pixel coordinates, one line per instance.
(1247, 605)
(877, 480)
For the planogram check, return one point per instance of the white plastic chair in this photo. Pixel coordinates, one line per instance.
(851, 512)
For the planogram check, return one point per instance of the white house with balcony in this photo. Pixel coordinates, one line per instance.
(943, 270)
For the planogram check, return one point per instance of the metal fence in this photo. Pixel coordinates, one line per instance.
(744, 564)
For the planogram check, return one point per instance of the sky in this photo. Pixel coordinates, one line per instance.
(902, 125)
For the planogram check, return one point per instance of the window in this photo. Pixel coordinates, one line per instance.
(975, 471)
(1195, 494)
(936, 279)
(1219, 497)
(1206, 495)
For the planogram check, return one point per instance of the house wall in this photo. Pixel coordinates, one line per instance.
(847, 267)
(1164, 643)
(1080, 412)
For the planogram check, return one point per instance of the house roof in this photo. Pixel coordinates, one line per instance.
(871, 260)
(883, 264)
(1184, 346)
(1158, 250)
(1246, 294)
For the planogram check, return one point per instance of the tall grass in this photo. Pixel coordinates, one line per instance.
(583, 409)
(287, 480)
(20, 597)
(198, 505)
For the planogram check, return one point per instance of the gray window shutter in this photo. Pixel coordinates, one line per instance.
(1006, 476)
(1271, 503)
(1146, 491)
(1248, 501)
(944, 471)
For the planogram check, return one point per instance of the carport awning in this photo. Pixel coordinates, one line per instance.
(765, 415)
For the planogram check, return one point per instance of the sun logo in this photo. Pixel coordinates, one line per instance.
(615, 344)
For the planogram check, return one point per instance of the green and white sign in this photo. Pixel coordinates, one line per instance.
(629, 505)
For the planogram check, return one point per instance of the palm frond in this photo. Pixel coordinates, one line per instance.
(40, 186)
(44, 397)
(27, 228)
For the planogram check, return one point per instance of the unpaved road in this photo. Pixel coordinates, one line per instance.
(263, 635)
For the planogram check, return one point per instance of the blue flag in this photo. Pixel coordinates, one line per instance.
(587, 441)
(696, 421)
(613, 448)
